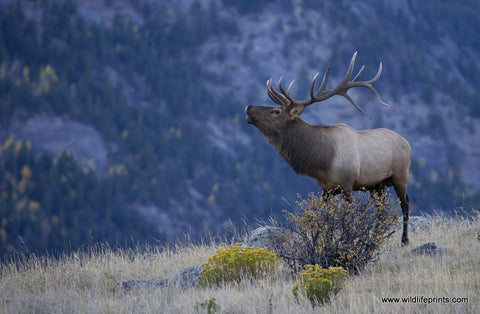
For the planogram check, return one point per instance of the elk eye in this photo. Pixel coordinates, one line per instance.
(276, 111)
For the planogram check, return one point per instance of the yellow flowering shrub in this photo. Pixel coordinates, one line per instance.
(318, 283)
(236, 263)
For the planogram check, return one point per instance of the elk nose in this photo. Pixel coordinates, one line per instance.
(247, 107)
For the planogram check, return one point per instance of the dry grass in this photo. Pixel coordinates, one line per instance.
(83, 283)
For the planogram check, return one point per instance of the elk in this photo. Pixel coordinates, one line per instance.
(340, 158)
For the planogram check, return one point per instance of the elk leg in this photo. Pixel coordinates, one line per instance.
(405, 211)
(404, 204)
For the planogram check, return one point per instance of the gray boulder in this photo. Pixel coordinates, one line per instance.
(265, 237)
(184, 278)
(429, 249)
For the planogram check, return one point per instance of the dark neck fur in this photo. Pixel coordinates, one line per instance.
(302, 146)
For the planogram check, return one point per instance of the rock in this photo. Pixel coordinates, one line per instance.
(140, 284)
(264, 237)
(186, 277)
(429, 248)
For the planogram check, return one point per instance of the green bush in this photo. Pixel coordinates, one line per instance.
(317, 283)
(236, 263)
(336, 233)
(209, 306)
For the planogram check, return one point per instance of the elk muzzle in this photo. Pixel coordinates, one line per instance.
(250, 118)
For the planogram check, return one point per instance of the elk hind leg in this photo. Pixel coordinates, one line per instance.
(401, 190)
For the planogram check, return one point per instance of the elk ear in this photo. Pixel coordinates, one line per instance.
(297, 110)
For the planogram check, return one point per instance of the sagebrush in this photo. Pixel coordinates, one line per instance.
(317, 283)
(334, 232)
(236, 263)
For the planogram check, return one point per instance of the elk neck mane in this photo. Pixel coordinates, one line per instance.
(303, 146)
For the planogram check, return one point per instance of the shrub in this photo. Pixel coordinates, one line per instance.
(317, 284)
(237, 262)
(336, 233)
(210, 306)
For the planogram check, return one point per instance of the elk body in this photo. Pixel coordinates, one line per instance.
(338, 157)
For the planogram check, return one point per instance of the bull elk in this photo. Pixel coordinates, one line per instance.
(338, 157)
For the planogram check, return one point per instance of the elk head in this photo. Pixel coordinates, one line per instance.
(269, 120)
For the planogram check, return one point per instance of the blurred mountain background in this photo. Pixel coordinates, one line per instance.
(123, 121)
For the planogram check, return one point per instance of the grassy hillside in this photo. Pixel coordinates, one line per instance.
(83, 283)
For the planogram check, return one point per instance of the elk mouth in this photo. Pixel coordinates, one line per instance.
(250, 119)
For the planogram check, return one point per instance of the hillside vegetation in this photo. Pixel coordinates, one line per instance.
(84, 282)
(123, 121)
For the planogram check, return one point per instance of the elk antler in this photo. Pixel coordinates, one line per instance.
(285, 100)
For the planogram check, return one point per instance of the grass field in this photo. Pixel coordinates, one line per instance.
(84, 282)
